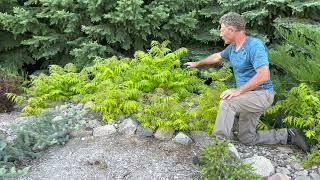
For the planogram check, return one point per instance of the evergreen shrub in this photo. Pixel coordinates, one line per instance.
(51, 127)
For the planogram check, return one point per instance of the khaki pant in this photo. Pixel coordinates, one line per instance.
(250, 105)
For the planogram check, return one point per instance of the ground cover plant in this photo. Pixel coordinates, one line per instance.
(50, 127)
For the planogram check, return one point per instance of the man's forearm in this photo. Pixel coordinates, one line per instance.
(212, 59)
(253, 83)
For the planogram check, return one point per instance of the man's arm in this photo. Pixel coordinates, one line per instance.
(262, 75)
(212, 59)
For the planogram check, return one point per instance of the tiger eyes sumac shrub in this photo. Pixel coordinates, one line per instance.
(152, 86)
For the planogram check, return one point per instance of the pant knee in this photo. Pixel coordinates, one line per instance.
(224, 104)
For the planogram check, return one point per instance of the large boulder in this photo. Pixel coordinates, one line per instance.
(261, 165)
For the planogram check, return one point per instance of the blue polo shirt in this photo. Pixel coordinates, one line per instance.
(251, 55)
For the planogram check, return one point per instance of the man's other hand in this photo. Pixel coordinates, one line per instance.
(228, 94)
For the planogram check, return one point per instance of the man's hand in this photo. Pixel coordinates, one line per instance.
(191, 64)
(228, 94)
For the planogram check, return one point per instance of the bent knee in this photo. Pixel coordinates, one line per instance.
(224, 103)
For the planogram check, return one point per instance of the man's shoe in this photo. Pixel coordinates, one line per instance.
(195, 160)
(297, 137)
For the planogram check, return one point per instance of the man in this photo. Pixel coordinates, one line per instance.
(254, 93)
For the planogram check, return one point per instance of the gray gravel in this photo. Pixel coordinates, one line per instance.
(115, 157)
(121, 157)
(7, 118)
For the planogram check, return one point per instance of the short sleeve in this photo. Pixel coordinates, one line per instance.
(226, 52)
(259, 55)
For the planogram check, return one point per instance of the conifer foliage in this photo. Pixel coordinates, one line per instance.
(261, 14)
(62, 31)
(299, 53)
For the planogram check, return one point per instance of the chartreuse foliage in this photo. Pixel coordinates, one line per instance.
(302, 109)
(152, 86)
(60, 85)
(313, 157)
(216, 163)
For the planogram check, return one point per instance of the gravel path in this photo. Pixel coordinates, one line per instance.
(115, 157)
(120, 157)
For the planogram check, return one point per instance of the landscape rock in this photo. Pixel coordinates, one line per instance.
(80, 133)
(314, 176)
(279, 177)
(104, 130)
(200, 137)
(261, 165)
(182, 138)
(302, 178)
(285, 150)
(301, 173)
(93, 123)
(282, 170)
(144, 131)
(163, 135)
(89, 155)
(87, 105)
(121, 118)
(128, 127)
(233, 151)
(295, 165)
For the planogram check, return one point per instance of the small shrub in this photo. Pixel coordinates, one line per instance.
(49, 128)
(216, 163)
(12, 173)
(313, 157)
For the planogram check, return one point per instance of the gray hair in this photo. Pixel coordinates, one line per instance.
(233, 19)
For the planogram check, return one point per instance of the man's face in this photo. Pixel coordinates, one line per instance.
(227, 33)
